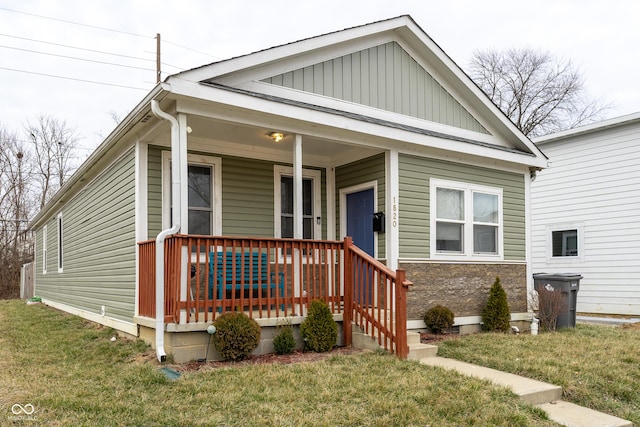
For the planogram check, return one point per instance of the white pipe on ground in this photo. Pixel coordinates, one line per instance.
(176, 203)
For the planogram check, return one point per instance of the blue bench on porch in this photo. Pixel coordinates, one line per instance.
(243, 271)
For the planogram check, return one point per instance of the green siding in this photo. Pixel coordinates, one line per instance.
(360, 172)
(247, 195)
(154, 191)
(415, 173)
(98, 246)
(384, 77)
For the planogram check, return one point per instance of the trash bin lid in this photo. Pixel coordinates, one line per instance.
(558, 276)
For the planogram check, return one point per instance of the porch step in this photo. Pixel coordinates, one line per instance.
(421, 351)
(417, 350)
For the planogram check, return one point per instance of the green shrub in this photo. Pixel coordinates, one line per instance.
(319, 330)
(438, 318)
(236, 335)
(283, 341)
(496, 315)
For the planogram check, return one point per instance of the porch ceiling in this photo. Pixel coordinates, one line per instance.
(255, 139)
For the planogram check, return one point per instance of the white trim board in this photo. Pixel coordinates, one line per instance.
(120, 325)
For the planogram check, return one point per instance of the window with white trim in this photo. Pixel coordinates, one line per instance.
(44, 250)
(203, 193)
(60, 242)
(565, 243)
(466, 220)
(283, 203)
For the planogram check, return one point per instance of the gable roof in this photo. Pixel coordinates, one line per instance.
(394, 57)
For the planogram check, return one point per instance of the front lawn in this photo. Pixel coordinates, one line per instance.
(597, 366)
(69, 372)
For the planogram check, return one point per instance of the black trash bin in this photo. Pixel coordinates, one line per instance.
(568, 284)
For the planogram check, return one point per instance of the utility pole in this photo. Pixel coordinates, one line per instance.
(158, 73)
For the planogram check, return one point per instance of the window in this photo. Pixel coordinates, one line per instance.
(564, 243)
(466, 220)
(311, 203)
(200, 196)
(203, 195)
(60, 241)
(44, 250)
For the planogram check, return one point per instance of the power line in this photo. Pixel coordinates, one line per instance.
(90, 50)
(193, 50)
(71, 78)
(76, 23)
(80, 48)
(76, 58)
(112, 30)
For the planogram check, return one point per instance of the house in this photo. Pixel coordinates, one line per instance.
(585, 213)
(234, 186)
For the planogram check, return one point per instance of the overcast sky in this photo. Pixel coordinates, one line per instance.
(39, 38)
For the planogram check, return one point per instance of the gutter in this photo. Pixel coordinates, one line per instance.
(176, 203)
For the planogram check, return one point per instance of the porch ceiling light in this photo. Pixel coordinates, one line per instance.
(276, 136)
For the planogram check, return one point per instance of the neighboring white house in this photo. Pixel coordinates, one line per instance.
(586, 213)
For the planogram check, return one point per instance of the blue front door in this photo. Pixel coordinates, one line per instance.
(360, 219)
(360, 228)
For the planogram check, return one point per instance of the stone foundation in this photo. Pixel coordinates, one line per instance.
(464, 288)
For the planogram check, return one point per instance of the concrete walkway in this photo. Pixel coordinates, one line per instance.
(545, 396)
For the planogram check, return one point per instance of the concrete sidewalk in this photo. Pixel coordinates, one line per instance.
(545, 396)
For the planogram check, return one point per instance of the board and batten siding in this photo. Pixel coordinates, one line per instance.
(593, 183)
(99, 247)
(415, 173)
(384, 77)
(360, 172)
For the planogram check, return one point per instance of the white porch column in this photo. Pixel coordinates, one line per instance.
(297, 216)
(184, 211)
(393, 210)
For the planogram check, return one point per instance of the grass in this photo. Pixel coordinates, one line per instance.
(597, 366)
(73, 374)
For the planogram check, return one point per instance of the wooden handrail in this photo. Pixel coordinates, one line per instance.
(354, 284)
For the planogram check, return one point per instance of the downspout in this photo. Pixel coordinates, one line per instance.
(175, 219)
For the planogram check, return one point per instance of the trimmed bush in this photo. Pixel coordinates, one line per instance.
(496, 314)
(319, 330)
(283, 341)
(236, 336)
(438, 318)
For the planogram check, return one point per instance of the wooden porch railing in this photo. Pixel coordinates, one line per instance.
(206, 276)
(375, 300)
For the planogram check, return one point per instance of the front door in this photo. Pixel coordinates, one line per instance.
(360, 219)
(360, 228)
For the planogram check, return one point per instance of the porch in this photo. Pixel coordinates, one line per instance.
(271, 279)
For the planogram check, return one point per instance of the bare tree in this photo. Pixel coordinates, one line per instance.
(14, 211)
(31, 171)
(538, 92)
(54, 145)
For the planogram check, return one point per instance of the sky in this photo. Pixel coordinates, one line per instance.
(83, 62)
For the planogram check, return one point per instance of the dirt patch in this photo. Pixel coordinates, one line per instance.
(429, 338)
(634, 326)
